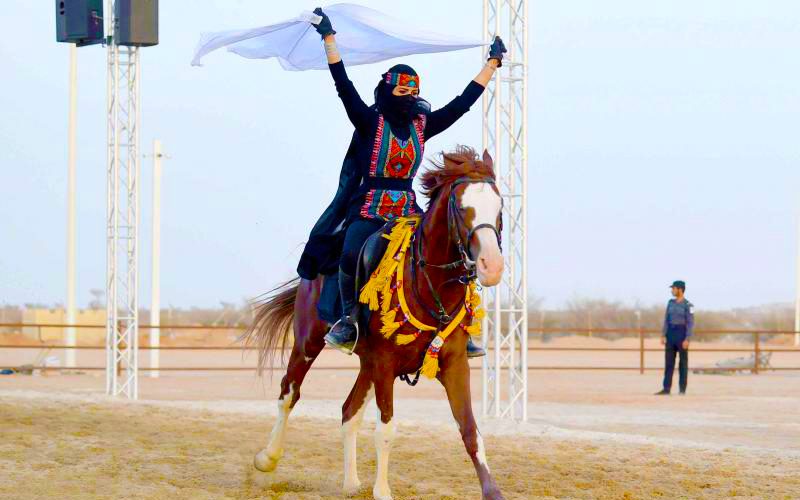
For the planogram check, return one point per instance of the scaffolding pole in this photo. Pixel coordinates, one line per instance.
(122, 210)
(505, 128)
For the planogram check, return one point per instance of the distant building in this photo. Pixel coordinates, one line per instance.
(84, 336)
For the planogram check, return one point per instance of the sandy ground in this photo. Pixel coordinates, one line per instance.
(84, 446)
(598, 434)
(589, 435)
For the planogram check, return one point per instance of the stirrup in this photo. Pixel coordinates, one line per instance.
(340, 347)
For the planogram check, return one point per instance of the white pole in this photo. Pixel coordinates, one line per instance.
(498, 297)
(797, 290)
(155, 294)
(69, 332)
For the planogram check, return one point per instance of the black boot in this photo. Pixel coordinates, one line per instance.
(344, 334)
(474, 350)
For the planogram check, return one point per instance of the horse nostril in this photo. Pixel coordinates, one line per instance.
(490, 266)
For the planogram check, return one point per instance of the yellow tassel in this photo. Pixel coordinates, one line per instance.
(381, 279)
(474, 329)
(389, 324)
(404, 338)
(388, 329)
(430, 367)
(475, 300)
(369, 295)
(479, 314)
(388, 316)
(386, 302)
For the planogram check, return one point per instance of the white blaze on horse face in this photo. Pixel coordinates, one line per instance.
(267, 459)
(349, 437)
(486, 205)
(384, 436)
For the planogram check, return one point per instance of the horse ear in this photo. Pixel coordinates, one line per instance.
(487, 159)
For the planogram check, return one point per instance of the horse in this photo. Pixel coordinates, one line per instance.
(454, 243)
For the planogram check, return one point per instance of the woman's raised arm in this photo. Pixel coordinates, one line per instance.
(441, 119)
(361, 116)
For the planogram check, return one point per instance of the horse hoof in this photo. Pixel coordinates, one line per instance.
(381, 495)
(351, 488)
(264, 462)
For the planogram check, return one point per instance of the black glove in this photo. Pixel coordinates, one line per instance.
(324, 28)
(496, 51)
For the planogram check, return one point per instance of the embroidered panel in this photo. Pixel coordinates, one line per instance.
(393, 158)
(396, 158)
(388, 204)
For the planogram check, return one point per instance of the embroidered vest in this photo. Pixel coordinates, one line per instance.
(392, 168)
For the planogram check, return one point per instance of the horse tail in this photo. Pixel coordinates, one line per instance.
(272, 323)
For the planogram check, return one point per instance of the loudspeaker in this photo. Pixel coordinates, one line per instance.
(79, 21)
(137, 22)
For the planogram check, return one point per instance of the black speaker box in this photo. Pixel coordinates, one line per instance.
(137, 22)
(79, 21)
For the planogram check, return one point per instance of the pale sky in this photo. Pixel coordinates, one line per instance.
(663, 145)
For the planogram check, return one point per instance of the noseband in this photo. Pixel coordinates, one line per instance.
(455, 223)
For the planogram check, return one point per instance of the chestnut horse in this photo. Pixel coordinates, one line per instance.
(456, 241)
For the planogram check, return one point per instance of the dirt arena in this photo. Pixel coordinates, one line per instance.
(591, 435)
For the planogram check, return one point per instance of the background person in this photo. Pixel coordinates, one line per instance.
(678, 325)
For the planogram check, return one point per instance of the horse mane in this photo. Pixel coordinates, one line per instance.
(463, 161)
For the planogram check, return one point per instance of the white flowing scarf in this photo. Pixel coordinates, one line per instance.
(363, 36)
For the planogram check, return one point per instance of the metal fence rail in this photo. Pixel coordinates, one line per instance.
(757, 349)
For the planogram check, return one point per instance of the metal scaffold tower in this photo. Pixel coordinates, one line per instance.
(505, 128)
(122, 230)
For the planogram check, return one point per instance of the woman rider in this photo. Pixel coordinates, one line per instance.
(375, 183)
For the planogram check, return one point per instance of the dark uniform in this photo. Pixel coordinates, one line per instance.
(678, 326)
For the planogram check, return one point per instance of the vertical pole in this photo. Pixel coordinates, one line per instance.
(498, 297)
(511, 268)
(757, 350)
(524, 208)
(641, 341)
(505, 136)
(134, 186)
(69, 332)
(155, 306)
(486, 367)
(110, 187)
(797, 290)
(116, 214)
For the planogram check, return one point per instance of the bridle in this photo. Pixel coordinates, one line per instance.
(457, 225)
(456, 222)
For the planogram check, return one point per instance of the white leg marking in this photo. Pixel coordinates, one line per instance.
(384, 435)
(482, 453)
(349, 436)
(267, 459)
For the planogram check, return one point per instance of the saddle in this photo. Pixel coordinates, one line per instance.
(329, 306)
